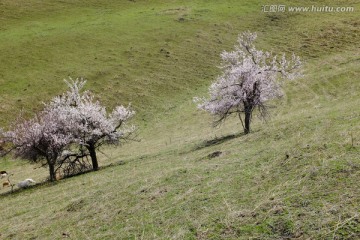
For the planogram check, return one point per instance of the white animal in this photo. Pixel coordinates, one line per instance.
(26, 183)
(3, 174)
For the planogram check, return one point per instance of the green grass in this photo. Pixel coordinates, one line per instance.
(158, 56)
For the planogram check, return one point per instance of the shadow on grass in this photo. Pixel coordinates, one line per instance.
(217, 141)
(17, 190)
(47, 182)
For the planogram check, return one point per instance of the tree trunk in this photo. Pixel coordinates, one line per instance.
(248, 111)
(52, 172)
(94, 161)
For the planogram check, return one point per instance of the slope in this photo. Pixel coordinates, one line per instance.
(293, 177)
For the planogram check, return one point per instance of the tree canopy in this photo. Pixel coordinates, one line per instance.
(249, 79)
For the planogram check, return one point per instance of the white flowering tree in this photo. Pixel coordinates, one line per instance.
(72, 126)
(249, 80)
(87, 120)
(41, 138)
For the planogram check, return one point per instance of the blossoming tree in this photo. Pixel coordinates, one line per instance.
(249, 80)
(72, 125)
(40, 138)
(87, 120)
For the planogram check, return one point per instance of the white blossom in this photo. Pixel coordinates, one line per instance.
(88, 121)
(250, 78)
(73, 118)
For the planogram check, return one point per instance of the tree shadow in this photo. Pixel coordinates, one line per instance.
(217, 141)
(17, 190)
(49, 183)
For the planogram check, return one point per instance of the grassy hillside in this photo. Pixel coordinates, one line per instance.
(294, 177)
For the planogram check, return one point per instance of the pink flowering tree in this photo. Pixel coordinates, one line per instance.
(88, 121)
(249, 80)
